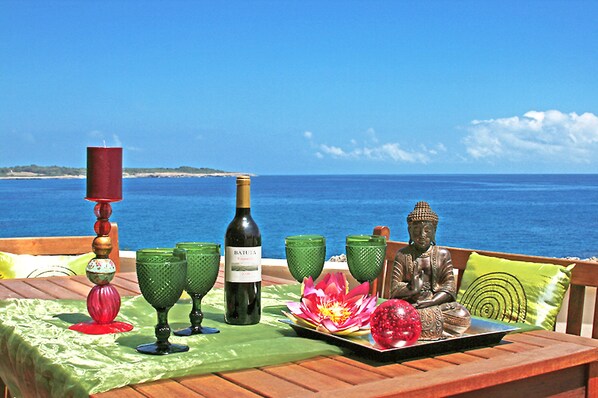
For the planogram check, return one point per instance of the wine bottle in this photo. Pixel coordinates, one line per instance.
(243, 263)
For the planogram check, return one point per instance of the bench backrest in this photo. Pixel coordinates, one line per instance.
(584, 275)
(56, 245)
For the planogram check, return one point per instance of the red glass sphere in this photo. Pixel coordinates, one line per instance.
(103, 303)
(395, 323)
(102, 210)
(102, 227)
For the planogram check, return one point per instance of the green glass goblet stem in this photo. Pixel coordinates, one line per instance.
(162, 332)
(161, 274)
(203, 263)
(196, 318)
(365, 256)
(306, 255)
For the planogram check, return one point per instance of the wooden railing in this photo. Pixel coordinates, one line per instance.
(55, 245)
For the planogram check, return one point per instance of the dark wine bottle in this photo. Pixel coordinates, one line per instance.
(243, 263)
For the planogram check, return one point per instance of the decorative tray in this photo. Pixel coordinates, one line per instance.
(482, 332)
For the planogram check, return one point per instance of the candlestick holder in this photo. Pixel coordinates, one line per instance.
(103, 301)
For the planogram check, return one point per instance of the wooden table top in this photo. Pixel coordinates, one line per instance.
(531, 364)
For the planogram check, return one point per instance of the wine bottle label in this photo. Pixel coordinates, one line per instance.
(243, 264)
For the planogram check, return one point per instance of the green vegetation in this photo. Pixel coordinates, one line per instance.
(58, 171)
(47, 171)
(182, 169)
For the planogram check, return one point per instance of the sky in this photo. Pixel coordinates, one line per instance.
(303, 87)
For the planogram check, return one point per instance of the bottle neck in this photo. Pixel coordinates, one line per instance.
(243, 199)
(243, 211)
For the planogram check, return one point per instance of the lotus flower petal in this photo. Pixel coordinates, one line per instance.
(308, 286)
(331, 307)
(361, 290)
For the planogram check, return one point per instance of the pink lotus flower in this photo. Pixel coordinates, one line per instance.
(330, 306)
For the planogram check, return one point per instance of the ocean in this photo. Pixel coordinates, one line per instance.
(546, 215)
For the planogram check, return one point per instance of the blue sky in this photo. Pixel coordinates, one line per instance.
(282, 87)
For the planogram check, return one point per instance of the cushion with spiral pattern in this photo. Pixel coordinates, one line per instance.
(514, 291)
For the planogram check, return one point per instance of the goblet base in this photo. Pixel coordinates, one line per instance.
(196, 330)
(92, 327)
(156, 349)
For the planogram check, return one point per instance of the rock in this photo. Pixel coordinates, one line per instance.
(341, 258)
(594, 259)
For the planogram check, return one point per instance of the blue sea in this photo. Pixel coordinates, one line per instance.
(547, 215)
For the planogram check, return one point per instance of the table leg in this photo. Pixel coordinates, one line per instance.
(592, 386)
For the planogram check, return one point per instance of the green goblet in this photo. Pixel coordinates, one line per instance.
(203, 263)
(161, 274)
(306, 255)
(365, 256)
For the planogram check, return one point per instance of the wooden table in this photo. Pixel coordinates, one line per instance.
(532, 364)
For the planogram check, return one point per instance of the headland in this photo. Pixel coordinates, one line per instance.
(49, 172)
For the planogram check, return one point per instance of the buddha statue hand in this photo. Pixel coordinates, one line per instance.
(419, 304)
(416, 283)
(438, 299)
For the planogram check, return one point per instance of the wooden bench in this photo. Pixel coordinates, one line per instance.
(584, 276)
(56, 245)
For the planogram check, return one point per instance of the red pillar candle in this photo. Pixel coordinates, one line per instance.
(104, 174)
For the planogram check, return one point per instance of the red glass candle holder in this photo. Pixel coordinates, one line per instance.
(103, 301)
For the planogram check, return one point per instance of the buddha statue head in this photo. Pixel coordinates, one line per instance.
(421, 224)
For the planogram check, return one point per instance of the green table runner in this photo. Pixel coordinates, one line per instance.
(41, 357)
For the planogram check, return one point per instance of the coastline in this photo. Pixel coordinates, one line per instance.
(32, 176)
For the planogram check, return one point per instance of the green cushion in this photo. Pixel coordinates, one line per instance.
(28, 266)
(514, 291)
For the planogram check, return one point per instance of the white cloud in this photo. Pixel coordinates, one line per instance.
(334, 151)
(372, 135)
(396, 153)
(550, 135)
(308, 134)
(372, 149)
(116, 140)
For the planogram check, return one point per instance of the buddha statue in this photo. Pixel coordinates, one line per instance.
(423, 276)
